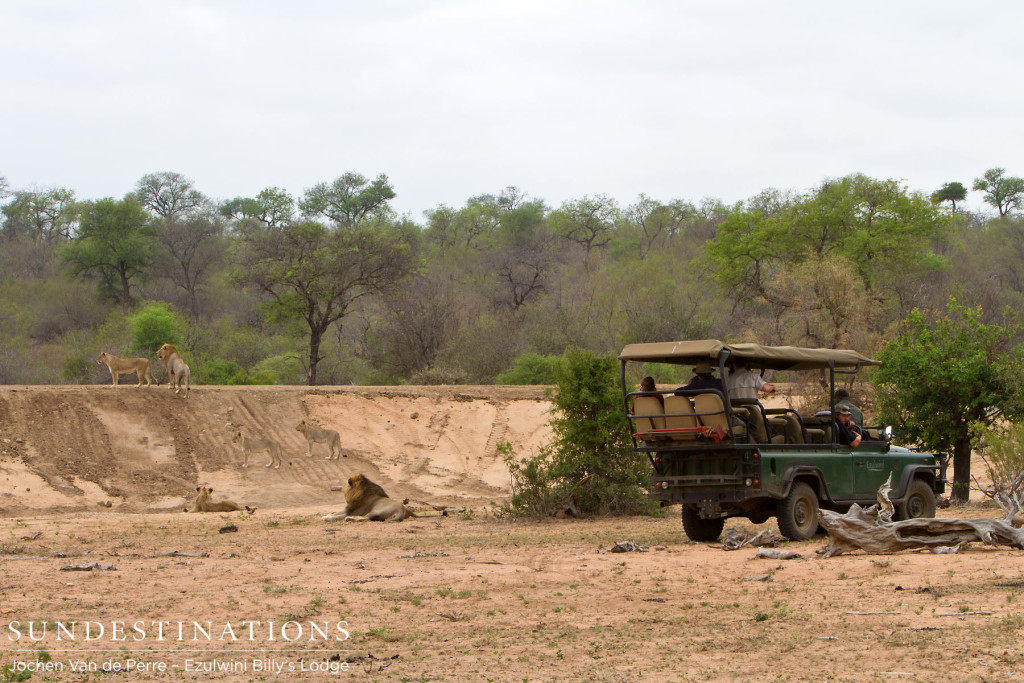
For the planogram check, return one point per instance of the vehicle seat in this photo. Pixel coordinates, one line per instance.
(648, 414)
(711, 413)
(755, 414)
(788, 423)
(679, 415)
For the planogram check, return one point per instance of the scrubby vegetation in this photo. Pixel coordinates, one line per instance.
(334, 288)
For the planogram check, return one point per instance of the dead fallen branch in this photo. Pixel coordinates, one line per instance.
(872, 531)
(736, 538)
(962, 614)
(860, 529)
(178, 553)
(89, 567)
(770, 554)
(626, 547)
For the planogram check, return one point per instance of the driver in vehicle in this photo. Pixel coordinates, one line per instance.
(847, 432)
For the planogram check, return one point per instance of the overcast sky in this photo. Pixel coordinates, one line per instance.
(451, 99)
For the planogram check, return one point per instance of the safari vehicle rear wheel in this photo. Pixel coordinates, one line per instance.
(920, 501)
(798, 513)
(701, 530)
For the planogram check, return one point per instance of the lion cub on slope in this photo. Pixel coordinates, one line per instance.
(249, 446)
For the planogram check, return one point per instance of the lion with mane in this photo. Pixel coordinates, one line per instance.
(367, 501)
(177, 370)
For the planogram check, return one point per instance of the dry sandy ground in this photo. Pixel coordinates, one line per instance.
(468, 597)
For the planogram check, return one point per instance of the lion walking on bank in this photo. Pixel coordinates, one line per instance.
(125, 366)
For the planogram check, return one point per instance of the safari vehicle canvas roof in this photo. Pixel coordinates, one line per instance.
(772, 357)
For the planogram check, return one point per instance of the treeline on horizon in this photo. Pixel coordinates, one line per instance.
(334, 288)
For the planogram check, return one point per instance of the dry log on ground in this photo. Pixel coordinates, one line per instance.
(860, 529)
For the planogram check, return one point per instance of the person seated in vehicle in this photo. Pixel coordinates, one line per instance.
(847, 433)
(703, 378)
(743, 383)
(647, 385)
(843, 399)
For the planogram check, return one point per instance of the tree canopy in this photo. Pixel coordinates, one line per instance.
(115, 242)
(1001, 191)
(946, 377)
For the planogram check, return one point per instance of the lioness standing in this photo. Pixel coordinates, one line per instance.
(272, 448)
(175, 367)
(124, 366)
(315, 434)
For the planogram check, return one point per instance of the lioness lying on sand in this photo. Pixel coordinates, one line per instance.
(318, 435)
(204, 504)
(367, 502)
(175, 367)
(124, 366)
(249, 446)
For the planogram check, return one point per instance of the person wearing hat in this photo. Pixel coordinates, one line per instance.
(843, 399)
(703, 379)
(847, 433)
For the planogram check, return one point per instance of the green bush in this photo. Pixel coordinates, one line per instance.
(77, 369)
(218, 371)
(154, 326)
(283, 368)
(261, 377)
(591, 463)
(530, 368)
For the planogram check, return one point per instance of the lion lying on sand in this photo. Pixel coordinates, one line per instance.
(175, 367)
(204, 504)
(124, 366)
(367, 502)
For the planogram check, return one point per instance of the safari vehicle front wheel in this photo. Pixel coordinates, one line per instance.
(701, 530)
(798, 513)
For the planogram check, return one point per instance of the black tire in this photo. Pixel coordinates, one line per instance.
(920, 501)
(701, 530)
(798, 513)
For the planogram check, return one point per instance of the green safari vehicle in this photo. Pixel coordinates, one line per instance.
(721, 458)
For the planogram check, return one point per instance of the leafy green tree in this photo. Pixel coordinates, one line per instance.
(1001, 191)
(45, 216)
(315, 274)
(877, 229)
(349, 200)
(272, 207)
(952, 192)
(656, 223)
(168, 195)
(189, 250)
(946, 378)
(114, 242)
(591, 463)
(589, 221)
